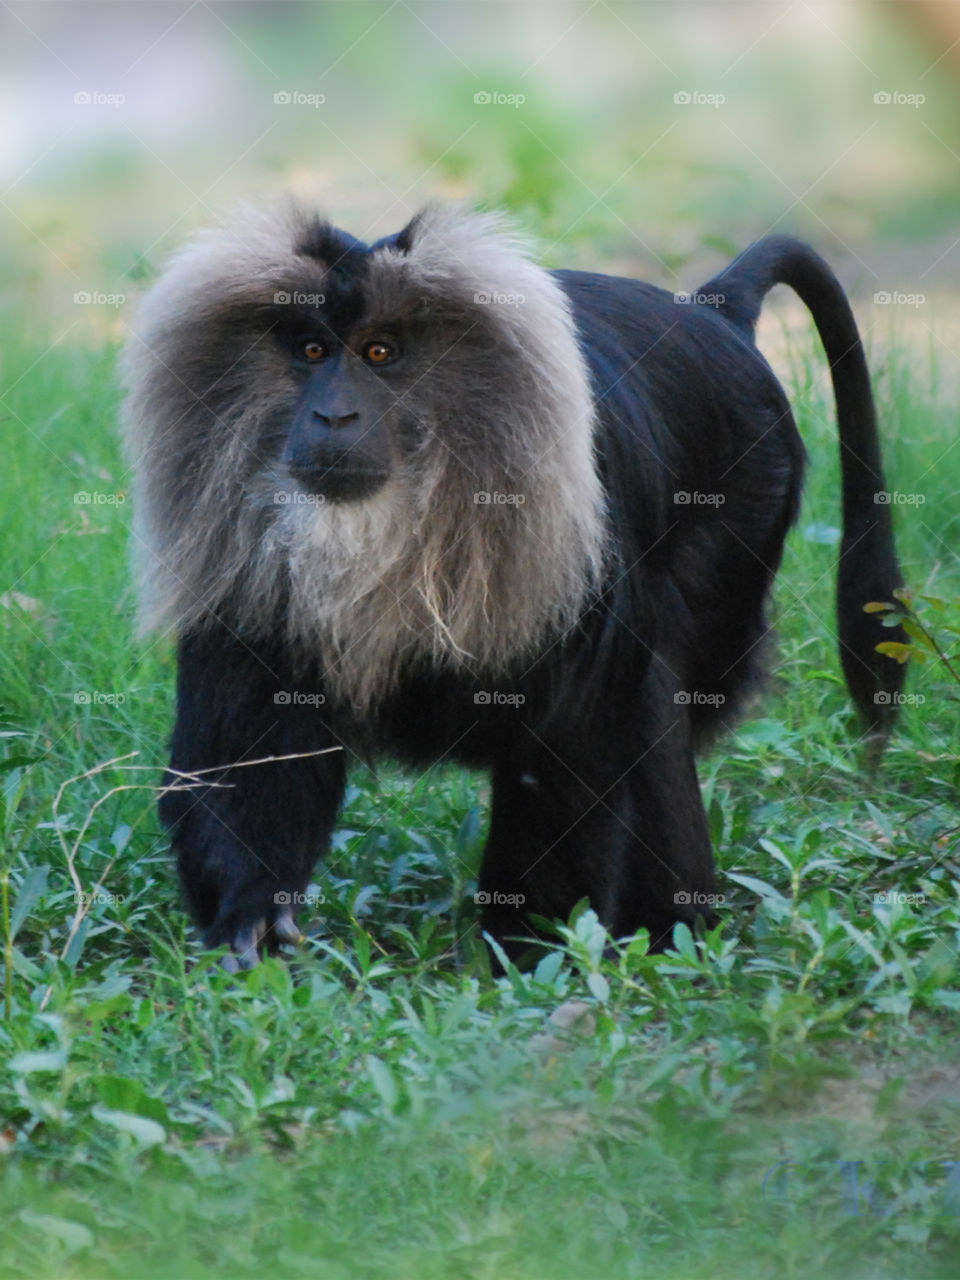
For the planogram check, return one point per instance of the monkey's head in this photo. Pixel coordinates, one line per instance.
(381, 453)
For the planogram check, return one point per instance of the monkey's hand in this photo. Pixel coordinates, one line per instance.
(240, 898)
(248, 943)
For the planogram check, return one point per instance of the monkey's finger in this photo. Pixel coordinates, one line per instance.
(246, 944)
(285, 930)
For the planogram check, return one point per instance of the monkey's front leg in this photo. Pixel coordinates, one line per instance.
(248, 835)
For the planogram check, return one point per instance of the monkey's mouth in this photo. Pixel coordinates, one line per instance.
(339, 483)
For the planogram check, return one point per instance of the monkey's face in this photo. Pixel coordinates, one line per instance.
(376, 371)
(338, 444)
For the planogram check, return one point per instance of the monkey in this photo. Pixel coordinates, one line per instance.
(425, 499)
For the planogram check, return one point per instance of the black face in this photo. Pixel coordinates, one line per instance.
(339, 441)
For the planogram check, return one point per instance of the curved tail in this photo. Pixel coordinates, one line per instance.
(868, 568)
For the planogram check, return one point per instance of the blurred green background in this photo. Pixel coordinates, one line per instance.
(586, 136)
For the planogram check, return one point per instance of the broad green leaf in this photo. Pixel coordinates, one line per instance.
(147, 1132)
(684, 944)
(599, 987)
(24, 965)
(24, 1064)
(546, 971)
(817, 674)
(120, 1093)
(766, 891)
(894, 649)
(17, 762)
(383, 1081)
(74, 1236)
(121, 837)
(32, 888)
(511, 970)
(75, 949)
(776, 852)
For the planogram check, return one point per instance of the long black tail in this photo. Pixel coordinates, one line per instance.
(868, 568)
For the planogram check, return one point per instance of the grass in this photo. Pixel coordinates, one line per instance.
(782, 1100)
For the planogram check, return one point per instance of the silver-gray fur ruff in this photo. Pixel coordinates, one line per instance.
(420, 571)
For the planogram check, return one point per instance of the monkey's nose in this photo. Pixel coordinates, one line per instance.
(334, 422)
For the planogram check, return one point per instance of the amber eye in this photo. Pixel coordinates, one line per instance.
(377, 353)
(314, 351)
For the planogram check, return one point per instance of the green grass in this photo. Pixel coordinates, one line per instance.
(380, 1106)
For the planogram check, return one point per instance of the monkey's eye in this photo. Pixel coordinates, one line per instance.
(313, 351)
(378, 353)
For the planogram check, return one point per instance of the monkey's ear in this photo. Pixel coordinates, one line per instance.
(402, 241)
(406, 237)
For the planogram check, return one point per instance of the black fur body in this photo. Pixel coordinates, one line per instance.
(590, 740)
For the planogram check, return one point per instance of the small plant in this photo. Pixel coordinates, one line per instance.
(932, 624)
